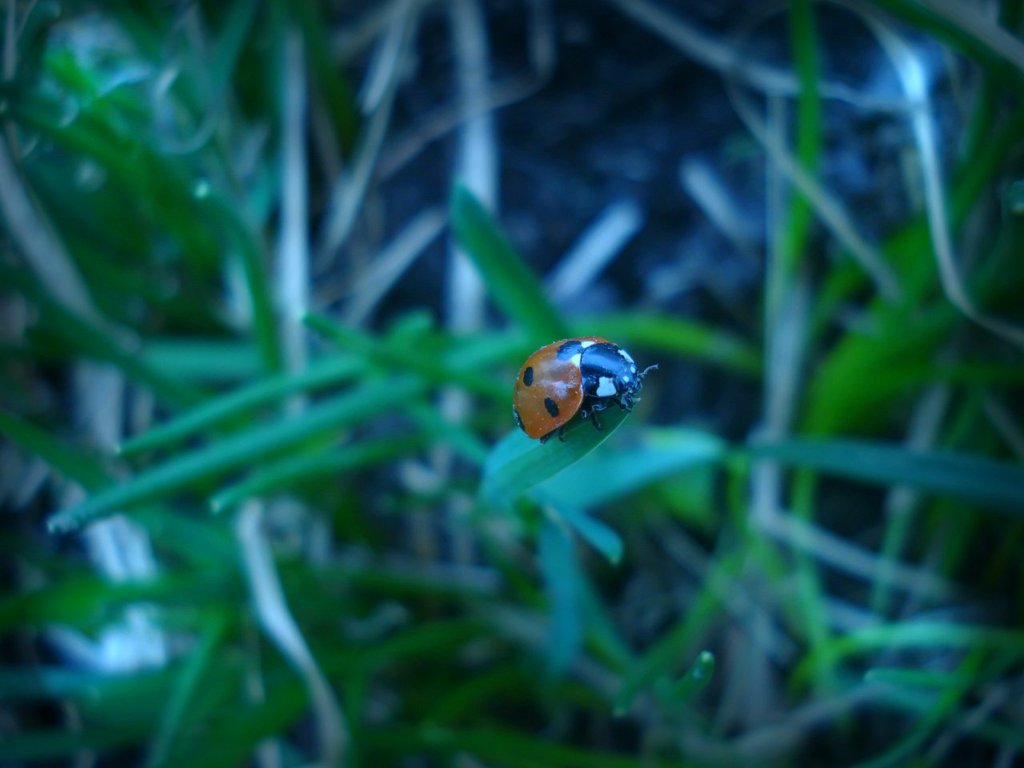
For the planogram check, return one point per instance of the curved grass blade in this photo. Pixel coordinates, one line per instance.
(510, 282)
(518, 463)
(967, 476)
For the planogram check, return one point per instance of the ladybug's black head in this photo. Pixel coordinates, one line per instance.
(608, 372)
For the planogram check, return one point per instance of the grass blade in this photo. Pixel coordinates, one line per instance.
(408, 357)
(561, 576)
(297, 469)
(185, 688)
(970, 477)
(677, 336)
(693, 682)
(598, 535)
(599, 479)
(238, 451)
(511, 283)
(518, 463)
(321, 373)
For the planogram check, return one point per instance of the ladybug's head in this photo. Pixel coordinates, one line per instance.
(630, 382)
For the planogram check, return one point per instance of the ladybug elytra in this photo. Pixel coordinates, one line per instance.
(584, 376)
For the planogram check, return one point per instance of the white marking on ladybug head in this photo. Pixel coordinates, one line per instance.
(625, 356)
(585, 344)
(576, 359)
(605, 387)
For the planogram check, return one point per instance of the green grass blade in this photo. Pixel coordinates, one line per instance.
(287, 472)
(239, 451)
(75, 465)
(205, 360)
(693, 682)
(518, 463)
(794, 234)
(560, 568)
(185, 688)
(510, 282)
(91, 340)
(253, 260)
(463, 439)
(919, 635)
(408, 357)
(598, 535)
(332, 84)
(664, 333)
(970, 477)
(321, 373)
(656, 453)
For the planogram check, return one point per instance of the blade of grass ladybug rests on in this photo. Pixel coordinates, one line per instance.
(518, 463)
(510, 282)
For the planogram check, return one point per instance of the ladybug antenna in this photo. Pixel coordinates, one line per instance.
(647, 370)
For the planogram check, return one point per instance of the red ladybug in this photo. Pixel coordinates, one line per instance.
(571, 376)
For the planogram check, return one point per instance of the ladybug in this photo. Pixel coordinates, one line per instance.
(584, 376)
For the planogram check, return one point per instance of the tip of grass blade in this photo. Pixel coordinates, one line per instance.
(518, 463)
(677, 692)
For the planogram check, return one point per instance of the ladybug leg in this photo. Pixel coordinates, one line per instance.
(561, 433)
(594, 420)
(547, 437)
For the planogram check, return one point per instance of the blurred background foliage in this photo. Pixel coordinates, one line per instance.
(267, 270)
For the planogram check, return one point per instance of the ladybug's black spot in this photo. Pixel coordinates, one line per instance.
(552, 406)
(570, 348)
(528, 376)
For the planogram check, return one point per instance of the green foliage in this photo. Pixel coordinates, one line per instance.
(676, 588)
